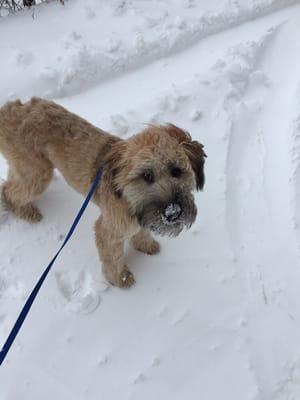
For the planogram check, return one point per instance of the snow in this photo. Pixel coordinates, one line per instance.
(216, 314)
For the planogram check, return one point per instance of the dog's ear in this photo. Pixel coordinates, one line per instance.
(194, 151)
(113, 164)
(196, 155)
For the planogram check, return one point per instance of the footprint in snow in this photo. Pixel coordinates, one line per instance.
(196, 115)
(10, 287)
(80, 291)
(156, 361)
(180, 317)
(139, 378)
(23, 58)
(103, 360)
(120, 124)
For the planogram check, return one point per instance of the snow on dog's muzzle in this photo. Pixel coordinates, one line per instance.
(172, 213)
(168, 218)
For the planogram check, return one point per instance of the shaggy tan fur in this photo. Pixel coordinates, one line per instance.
(146, 184)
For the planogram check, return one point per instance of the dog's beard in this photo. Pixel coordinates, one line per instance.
(151, 214)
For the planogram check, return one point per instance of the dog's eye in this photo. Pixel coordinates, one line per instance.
(148, 176)
(176, 172)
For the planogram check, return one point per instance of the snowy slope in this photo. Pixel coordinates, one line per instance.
(216, 314)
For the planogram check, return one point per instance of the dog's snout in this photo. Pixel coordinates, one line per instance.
(173, 212)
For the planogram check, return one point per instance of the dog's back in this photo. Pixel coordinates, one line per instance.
(41, 131)
(38, 136)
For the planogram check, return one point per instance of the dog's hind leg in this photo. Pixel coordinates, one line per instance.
(3, 211)
(27, 179)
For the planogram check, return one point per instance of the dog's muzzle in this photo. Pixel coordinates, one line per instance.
(168, 219)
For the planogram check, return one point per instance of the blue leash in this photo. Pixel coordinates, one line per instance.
(15, 330)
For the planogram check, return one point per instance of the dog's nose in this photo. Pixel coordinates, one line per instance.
(173, 212)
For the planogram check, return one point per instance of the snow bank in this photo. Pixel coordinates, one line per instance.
(85, 49)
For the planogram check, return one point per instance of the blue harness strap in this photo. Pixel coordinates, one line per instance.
(15, 330)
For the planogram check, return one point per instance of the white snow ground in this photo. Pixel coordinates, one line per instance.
(216, 315)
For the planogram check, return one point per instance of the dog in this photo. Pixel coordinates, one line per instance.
(147, 180)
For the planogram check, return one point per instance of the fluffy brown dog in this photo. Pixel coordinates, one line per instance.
(146, 185)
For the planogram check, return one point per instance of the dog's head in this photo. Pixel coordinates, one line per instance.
(156, 172)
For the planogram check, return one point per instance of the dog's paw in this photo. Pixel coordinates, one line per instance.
(35, 215)
(30, 213)
(126, 279)
(149, 247)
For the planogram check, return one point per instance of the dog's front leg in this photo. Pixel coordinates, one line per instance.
(111, 253)
(144, 242)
